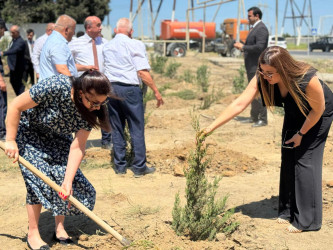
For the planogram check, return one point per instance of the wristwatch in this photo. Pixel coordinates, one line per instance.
(299, 133)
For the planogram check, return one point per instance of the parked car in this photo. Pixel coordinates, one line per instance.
(323, 43)
(281, 41)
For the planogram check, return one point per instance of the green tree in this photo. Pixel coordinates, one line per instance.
(80, 9)
(44, 11)
(35, 11)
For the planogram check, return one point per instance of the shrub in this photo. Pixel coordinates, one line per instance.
(239, 82)
(158, 63)
(186, 94)
(187, 76)
(208, 100)
(202, 77)
(203, 216)
(171, 69)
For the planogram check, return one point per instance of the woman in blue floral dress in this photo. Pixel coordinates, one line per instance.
(40, 127)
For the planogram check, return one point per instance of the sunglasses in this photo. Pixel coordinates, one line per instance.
(96, 104)
(270, 76)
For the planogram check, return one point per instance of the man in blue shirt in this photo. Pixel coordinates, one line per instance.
(56, 57)
(125, 62)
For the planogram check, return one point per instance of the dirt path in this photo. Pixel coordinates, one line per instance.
(140, 209)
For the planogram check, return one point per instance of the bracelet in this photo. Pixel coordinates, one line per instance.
(299, 133)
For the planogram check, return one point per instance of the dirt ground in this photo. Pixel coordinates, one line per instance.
(140, 208)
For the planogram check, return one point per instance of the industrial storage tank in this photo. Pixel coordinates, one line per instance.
(177, 30)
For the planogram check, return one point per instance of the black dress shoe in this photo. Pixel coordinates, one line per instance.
(259, 123)
(44, 247)
(247, 120)
(62, 241)
(147, 171)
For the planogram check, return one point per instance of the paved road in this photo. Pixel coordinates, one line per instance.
(315, 54)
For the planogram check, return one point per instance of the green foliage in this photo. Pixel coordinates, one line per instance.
(302, 46)
(158, 63)
(239, 82)
(43, 11)
(171, 69)
(208, 100)
(202, 77)
(203, 216)
(187, 76)
(3, 46)
(186, 94)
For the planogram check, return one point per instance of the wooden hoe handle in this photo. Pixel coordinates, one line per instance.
(70, 198)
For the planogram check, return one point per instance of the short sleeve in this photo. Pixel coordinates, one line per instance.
(138, 53)
(49, 88)
(59, 53)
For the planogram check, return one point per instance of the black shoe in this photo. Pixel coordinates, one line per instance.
(147, 171)
(62, 241)
(240, 118)
(120, 172)
(247, 120)
(44, 247)
(259, 123)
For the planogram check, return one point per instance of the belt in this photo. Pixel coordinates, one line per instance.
(125, 84)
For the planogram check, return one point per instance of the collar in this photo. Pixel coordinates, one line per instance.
(256, 23)
(59, 36)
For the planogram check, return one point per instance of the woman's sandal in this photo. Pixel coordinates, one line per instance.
(44, 247)
(292, 229)
(62, 241)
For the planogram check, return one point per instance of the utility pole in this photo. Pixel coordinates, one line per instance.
(298, 19)
(264, 9)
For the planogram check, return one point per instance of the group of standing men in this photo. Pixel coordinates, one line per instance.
(123, 60)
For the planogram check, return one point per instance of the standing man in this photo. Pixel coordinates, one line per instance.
(29, 69)
(3, 90)
(256, 42)
(56, 57)
(126, 62)
(16, 60)
(87, 51)
(39, 43)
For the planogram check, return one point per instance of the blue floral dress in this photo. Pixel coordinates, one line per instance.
(44, 137)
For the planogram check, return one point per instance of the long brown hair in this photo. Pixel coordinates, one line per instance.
(88, 81)
(291, 73)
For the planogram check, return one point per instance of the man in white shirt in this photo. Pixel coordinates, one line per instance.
(38, 46)
(82, 50)
(82, 47)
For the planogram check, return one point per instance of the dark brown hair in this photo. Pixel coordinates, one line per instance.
(291, 73)
(88, 81)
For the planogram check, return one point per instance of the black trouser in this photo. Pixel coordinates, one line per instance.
(16, 81)
(258, 111)
(29, 72)
(300, 198)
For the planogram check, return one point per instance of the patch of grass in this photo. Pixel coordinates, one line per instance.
(278, 111)
(139, 210)
(239, 82)
(141, 244)
(301, 46)
(323, 65)
(202, 77)
(171, 69)
(186, 94)
(158, 63)
(188, 76)
(208, 100)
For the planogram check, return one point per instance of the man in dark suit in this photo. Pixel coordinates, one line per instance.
(256, 42)
(29, 69)
(15, 59)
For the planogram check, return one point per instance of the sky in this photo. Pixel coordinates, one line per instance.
(141, 25)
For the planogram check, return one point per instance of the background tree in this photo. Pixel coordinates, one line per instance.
(80, 9)
(35, 11)
(44, 11)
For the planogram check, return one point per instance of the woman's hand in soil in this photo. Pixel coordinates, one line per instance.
(12, 150)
